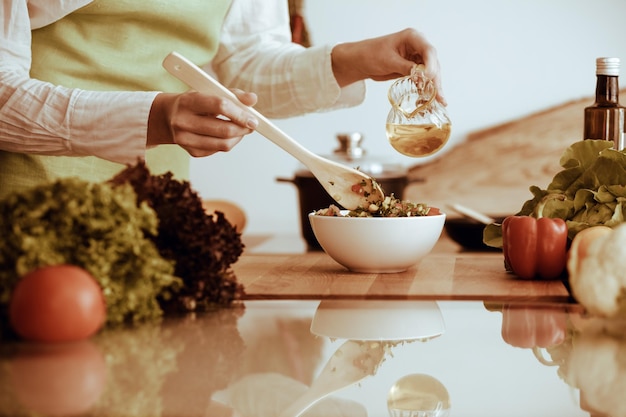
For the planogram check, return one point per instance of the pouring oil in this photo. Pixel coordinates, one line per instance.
(418, 140)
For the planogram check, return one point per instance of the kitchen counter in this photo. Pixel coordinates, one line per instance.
(436, 336)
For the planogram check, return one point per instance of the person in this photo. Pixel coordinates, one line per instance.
(83, 92)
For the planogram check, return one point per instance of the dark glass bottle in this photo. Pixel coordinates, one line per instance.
(605, 118)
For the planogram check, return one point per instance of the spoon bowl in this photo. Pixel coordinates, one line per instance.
(347, 186)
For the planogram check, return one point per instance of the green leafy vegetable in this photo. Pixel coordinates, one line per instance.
(203, 245)
(98, 227)
(145, 238)
(592, 186)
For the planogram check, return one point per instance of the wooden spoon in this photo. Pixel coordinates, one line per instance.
(345, 368)
(337, 179)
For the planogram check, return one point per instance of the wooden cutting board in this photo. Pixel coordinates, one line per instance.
(440, 276)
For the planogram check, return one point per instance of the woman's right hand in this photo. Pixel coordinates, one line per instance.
(201, 124)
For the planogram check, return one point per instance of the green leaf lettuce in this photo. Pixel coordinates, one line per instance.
(96, 226)
(591, 188)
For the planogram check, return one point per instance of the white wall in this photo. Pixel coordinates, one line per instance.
(501, 59)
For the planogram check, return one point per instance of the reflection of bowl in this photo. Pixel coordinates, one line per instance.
(378, 319)
(377, 244)
(468, 233)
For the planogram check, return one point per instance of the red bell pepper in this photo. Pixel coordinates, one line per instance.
(535, 247)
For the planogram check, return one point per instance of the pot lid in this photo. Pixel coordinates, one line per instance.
(350, 152)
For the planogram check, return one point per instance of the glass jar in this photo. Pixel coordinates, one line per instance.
(417, 124)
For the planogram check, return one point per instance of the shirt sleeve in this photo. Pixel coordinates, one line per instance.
(256, 54)
(42, 118)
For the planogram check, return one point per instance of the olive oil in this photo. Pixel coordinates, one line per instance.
(417, 124)
(417, 140)
(604, 120)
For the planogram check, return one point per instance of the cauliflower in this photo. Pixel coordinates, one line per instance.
(596, 266)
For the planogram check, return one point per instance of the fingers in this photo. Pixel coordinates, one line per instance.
(386, 57)
(200, 106)
(206, 146)
(249, 99)
(203, 124)
(420, 51)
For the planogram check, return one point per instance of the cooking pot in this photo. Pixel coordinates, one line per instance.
(392, 177)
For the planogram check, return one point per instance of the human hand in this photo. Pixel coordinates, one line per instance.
(201, 124)
(385, 58)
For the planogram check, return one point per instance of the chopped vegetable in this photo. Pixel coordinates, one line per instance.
(389, 207)
(365, 187)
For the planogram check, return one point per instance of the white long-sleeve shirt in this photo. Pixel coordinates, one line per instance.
(42, 118)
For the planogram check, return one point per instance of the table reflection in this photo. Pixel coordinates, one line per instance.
(421, 358)
(369, 331)
(151, 369)
(589, 353)
(592, 360)
(58, 380)
(378, 319)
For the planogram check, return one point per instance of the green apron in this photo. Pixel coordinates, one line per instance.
(116, 45)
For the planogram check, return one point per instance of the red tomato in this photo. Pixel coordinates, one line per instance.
(61, 379)
(57, 303)
(358, 189)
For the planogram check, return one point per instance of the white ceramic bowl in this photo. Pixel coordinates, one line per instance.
(378, 319)
(377, 244)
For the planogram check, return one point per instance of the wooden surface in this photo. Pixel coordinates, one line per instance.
(440, 276)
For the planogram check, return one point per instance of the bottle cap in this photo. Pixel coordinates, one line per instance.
(607, 66)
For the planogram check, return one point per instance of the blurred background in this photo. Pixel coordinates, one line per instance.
(501, 60)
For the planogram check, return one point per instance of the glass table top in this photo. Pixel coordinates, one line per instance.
(329, 358)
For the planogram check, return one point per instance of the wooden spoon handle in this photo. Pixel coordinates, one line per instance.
(199, 80)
